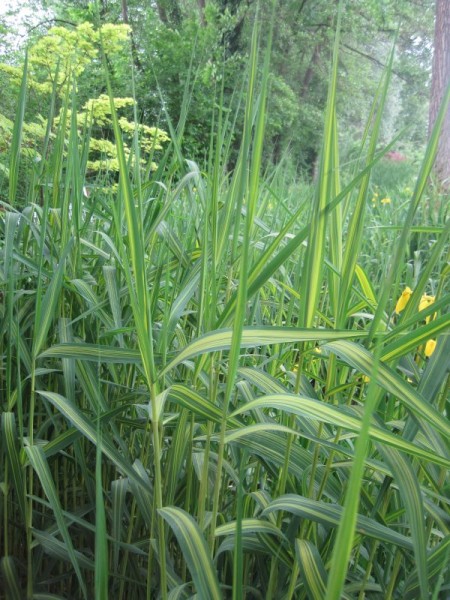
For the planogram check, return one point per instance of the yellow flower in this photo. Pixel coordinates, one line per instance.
(430, 347)
(403, 300)
(425, 302)
(385, 201)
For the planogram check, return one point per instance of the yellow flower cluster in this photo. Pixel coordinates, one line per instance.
(384, 201)
(425, 302)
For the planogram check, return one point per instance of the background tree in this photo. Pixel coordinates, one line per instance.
(439, 83)
(57, 64)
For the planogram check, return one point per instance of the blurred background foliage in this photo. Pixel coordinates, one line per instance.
(200, 47)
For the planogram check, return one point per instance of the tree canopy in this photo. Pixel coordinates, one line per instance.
(185, 54)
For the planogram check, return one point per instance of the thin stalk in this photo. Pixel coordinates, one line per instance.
(248, 186)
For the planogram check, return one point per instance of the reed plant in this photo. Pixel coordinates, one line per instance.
(209, 385)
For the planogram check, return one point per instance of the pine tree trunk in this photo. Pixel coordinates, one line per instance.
(440, 81)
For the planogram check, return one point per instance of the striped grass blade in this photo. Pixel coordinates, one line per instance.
(195, 552)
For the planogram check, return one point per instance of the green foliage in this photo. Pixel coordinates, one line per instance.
(95, 116)
(65, 53)
(177, 44)
(57, 60)
(393, 177)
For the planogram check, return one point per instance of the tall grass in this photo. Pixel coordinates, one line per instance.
(205, 386)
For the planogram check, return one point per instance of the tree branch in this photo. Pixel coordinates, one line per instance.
(374, 60)
(52, 20)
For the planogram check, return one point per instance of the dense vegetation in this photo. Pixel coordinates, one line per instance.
(218, 378)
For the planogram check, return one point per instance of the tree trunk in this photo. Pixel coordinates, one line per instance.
(125, 11)
(201, 8)
(311, 70)
(439, 82)
(162, 13)
(169, 12)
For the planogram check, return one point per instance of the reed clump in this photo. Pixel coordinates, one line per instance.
(209, 384)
